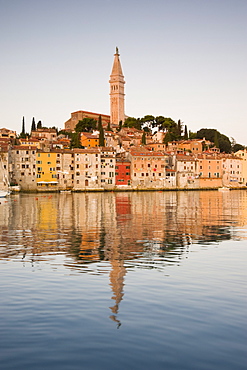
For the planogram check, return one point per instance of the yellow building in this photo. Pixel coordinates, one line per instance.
(46, 170)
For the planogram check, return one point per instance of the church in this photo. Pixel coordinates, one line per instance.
(117, 112)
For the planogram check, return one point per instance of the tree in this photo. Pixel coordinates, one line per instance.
(101, 133)
(23, 133)
(213, 135)
(144, 138)
(120, 125)
(133, 122)
(185, 133)
(108, 127)
(167, 137)
(179, 128)
(33, 127)
(236, 147)
(216, 140)
(23, 126)
(39, 125)
(86, 125)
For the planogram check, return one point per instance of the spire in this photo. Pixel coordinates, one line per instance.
(117, 91)
(117, 68)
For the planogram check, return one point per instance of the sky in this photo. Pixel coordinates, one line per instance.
(184, 59)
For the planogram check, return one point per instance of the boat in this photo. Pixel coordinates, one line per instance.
(3, 193)
(224, 188)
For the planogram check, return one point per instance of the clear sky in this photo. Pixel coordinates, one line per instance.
(184, 59)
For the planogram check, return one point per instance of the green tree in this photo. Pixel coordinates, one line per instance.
(75, 140)
(144, 138)
(39, 125)
(108, 127)
(185, 133)
(179, 128)
(224, 143)
(216, 140)
(86, 125)
(133, 122)
(33, 127)
(23, 126)
(167, 137)
(23, 131)
(120, 125)
(101, 133)
(236, 147)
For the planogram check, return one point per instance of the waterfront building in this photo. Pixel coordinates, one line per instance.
(243, 155)
(23, 167)
(46, 167)
(210, 170)
(122, 173)
(147, 168)
(4, 168)
(187, 176)
(108, 163)
(232, 170)
(86, 169)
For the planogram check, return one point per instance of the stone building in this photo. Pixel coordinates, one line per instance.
(23, 167)
(80, 115)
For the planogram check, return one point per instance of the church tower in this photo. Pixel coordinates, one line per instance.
(117, 91)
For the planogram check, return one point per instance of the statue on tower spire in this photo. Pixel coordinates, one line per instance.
(117, 50)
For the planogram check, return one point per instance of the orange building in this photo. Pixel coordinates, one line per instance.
(89, 140)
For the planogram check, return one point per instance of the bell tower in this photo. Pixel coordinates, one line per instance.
(117, 91)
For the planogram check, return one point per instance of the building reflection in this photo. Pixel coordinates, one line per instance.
(148, 229)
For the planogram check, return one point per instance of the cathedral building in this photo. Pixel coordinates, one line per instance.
(117, 112)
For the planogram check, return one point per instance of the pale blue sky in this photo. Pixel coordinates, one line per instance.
(184, 59)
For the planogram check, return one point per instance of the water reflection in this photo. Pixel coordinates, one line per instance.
(109, 233)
